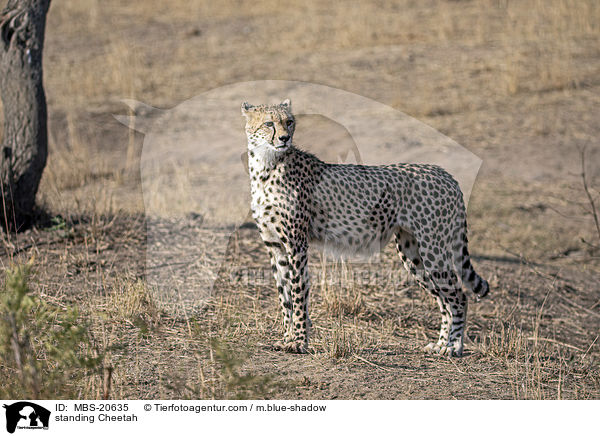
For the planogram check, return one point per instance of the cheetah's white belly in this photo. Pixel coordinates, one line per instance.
(345, 240)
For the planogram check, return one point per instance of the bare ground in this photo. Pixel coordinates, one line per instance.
(535, 337)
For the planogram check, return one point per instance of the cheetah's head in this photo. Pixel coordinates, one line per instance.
(269, 126)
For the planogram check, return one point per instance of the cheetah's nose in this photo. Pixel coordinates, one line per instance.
(284, 138)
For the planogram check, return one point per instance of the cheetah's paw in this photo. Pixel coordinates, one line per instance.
(444, 350)
(432, 348)
(295, 347)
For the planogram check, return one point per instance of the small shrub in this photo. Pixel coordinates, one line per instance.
(45, 349)
(233, 383)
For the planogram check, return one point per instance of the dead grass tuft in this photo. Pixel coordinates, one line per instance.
(133, 303)
(338, 298)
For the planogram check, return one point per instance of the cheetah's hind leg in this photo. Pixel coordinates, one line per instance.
(451, 299)
(453, 305)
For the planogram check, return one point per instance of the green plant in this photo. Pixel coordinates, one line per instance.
(220, 366)
(233, 383)
(45, 349)
(58, 223)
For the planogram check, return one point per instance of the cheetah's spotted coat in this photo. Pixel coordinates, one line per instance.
(298, 200)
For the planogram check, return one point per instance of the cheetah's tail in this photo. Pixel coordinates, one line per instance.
(470, 279)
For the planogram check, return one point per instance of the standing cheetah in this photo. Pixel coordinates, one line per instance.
(298, 200)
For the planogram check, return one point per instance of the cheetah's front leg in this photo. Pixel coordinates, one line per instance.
(281, 271)
(299, 281)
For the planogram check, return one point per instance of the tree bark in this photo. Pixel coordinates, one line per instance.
(24, 149)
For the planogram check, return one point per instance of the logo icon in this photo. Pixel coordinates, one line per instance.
(26, 415)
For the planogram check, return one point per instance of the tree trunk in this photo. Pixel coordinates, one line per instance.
(25, 147)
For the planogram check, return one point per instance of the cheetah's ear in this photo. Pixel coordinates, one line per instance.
(246, 108)
(287, 103)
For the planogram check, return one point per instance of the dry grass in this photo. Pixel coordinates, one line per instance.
(518, 48)
(532, 340)
(132, 303)
(339, 300)
(540, 40)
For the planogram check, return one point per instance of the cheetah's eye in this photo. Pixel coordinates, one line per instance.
(289, 122)
(269, 124)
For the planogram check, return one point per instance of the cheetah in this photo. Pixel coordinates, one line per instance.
(297, 200)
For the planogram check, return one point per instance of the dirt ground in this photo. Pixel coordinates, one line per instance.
(514, 83)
